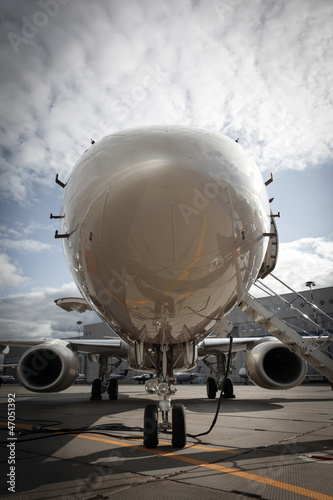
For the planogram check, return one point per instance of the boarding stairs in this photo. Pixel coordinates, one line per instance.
(314, 348)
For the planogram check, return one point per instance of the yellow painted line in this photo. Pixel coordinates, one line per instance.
(103, 440)
(201, 463)
(208, 448)
(197, 447)
(220, 468)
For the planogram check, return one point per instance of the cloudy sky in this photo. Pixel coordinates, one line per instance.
(72, 70)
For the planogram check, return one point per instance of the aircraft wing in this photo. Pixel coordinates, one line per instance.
(117, 347)
(4, 343)
(246, 343)
(111, 347)
(102, 346)
(214, 344)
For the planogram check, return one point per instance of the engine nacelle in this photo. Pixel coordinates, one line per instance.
(271, 365)
(48, 367)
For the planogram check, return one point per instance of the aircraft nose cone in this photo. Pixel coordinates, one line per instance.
(155, 240)
(155, 224)
(162, 227)
(156, 218)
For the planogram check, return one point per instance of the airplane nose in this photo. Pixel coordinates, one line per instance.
(159, 224)
(157, 236)
(159, 216)
(164, 226)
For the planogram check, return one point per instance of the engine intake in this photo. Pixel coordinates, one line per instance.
(271, 365)
(49, 367)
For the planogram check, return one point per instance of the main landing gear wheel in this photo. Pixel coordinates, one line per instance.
(228, 390)
(211, 388)
(113, 389)
(150, 432)
(96, 390)
(178, 426)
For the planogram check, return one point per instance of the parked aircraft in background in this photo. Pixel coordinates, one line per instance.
(182, 377)
(81, 379)
(243, 374)
(142, 378)
(118, 376)
(7, 379)
(165, 229)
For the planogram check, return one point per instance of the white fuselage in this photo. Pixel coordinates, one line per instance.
(166, 230)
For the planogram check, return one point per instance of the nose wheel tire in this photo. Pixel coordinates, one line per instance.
(178, 426)
(150, 431)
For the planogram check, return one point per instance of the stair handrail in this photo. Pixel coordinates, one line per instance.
(319, 328)
(314, 306)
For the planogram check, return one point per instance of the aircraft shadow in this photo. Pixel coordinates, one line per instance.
(94, 465)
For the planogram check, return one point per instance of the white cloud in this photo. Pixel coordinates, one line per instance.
(259, 70)
(35, 315)
(10, 275)
(307, 259)
(19, 229)
(11, 241)
(25, 245)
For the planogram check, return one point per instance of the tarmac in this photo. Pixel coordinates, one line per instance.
(264, 445)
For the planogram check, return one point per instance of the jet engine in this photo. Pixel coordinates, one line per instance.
(48, 367)
(271, 365)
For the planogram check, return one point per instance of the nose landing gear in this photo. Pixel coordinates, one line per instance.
(163, 387)
(151, 426)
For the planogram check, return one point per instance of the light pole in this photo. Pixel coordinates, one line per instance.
(310, 284)
(79, 323)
